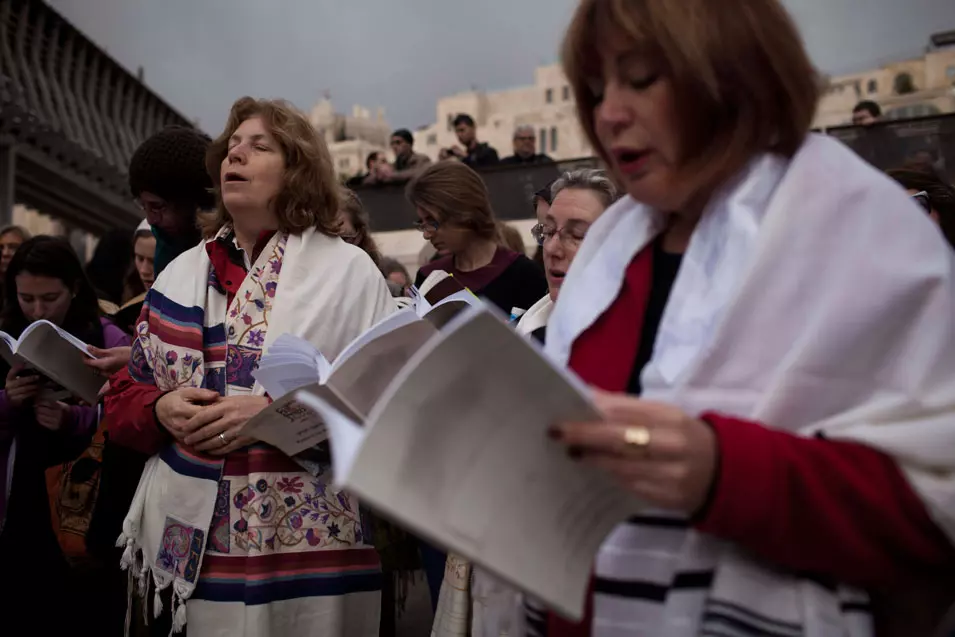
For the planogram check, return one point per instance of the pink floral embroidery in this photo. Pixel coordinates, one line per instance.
(290, 485)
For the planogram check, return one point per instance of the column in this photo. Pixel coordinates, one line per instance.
(8, 164)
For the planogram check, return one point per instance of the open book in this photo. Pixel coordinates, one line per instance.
(56, 354)
(456, 451)
(352, 383)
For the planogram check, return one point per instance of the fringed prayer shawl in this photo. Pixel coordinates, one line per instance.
(253, 545)
(814, 296)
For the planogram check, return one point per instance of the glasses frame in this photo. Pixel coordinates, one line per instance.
(566, 239)
(430, 226)
(922, 199)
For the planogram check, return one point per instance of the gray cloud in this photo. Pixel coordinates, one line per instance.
(403, 54)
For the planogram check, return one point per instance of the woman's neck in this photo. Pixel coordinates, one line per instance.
(477, 255)
(248, 231)
(680, 227)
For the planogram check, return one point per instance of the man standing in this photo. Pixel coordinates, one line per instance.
(407, 162)
(474, 154)
(525, 147)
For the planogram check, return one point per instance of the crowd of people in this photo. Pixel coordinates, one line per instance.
(765, 321)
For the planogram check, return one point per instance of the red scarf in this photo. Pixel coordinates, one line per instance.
(603, 356)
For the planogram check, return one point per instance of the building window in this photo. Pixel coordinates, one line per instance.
(950, 72)
(344, 163)
(566, 93)
(553, 139)
(549, 96)
(904, 84)
(450, 122)
(873, 87)
(432, 139)
(543, 140)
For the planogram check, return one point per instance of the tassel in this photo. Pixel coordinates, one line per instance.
(129, 601)
(178, 613)
(157, 602)
(128, 558)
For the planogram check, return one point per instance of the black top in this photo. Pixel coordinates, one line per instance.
(520, 284)
(665, 268)
(481, 155)
(517, 160)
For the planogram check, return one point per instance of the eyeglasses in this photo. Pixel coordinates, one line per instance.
(155, 207)
(570, 237)
(922, 199)
(426, 226)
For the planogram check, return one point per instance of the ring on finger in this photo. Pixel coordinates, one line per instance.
(637, 438)
(223, 439)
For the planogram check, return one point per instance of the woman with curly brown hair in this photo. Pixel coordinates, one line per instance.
(768, 321)
(248, 542)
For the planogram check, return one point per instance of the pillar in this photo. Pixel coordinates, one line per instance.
(8, 165)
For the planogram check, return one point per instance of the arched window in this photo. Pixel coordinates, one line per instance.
(873, 87)
(553, 139)
(904, 84)
(543, 140)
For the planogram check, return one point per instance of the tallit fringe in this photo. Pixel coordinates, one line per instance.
(140, 576)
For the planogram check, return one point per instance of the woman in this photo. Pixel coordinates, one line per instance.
(245, 540)
(355, 227)
(396, 274)
(541, 203)
(454, 214)
(45, 280)
(768, 321)
(11, 238)
(579, 197)
(932, 193)
(139, 279)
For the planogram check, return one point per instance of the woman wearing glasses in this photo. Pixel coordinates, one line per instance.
(930, 191)
(454, 214)
(577, 199)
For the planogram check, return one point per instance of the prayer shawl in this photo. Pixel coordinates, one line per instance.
(814, 297)
(285, 553)
(473, 602)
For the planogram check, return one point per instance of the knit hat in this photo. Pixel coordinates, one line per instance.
(172, 164)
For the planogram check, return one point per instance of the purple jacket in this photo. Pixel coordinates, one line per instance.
(75, 434)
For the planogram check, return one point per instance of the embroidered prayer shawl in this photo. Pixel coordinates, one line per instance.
(814, 296)
(472, 601)
(312, 286)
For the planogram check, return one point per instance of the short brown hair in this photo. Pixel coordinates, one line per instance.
(310, 196)
(351, 205)
(454, 194)
(741, 78)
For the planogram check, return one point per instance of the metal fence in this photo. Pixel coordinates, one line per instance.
(885, 145)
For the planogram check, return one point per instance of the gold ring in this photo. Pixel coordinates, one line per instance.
(637, 436)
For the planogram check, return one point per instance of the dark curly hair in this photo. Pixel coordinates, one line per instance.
(171, 164)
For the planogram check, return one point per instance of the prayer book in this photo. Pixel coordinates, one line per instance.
(57, 355)
(456, 450)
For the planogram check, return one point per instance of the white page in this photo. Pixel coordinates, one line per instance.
(60, 357)
(8, 348)
(290, 363)
(388, 324)
(345, 434)
(458, 453)
(289, 425)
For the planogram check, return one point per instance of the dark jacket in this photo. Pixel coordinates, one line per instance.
(481, 155)
(517, 160)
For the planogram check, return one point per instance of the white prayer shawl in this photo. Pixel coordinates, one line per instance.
(814, 296)
(328, 293)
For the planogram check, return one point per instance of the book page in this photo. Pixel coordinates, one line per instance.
(390, 323)
(457, 451)
(8, 348)
(289, 425)
(363, 377)
(59, 356)
(345, 434)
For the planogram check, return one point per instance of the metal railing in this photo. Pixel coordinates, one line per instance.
(885, 145)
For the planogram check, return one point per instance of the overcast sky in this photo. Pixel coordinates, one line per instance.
(200, 55)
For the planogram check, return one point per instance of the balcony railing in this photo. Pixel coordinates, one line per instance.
(886, 145)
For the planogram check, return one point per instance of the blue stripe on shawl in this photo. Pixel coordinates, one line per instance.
(190, 465)
(281, 588)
